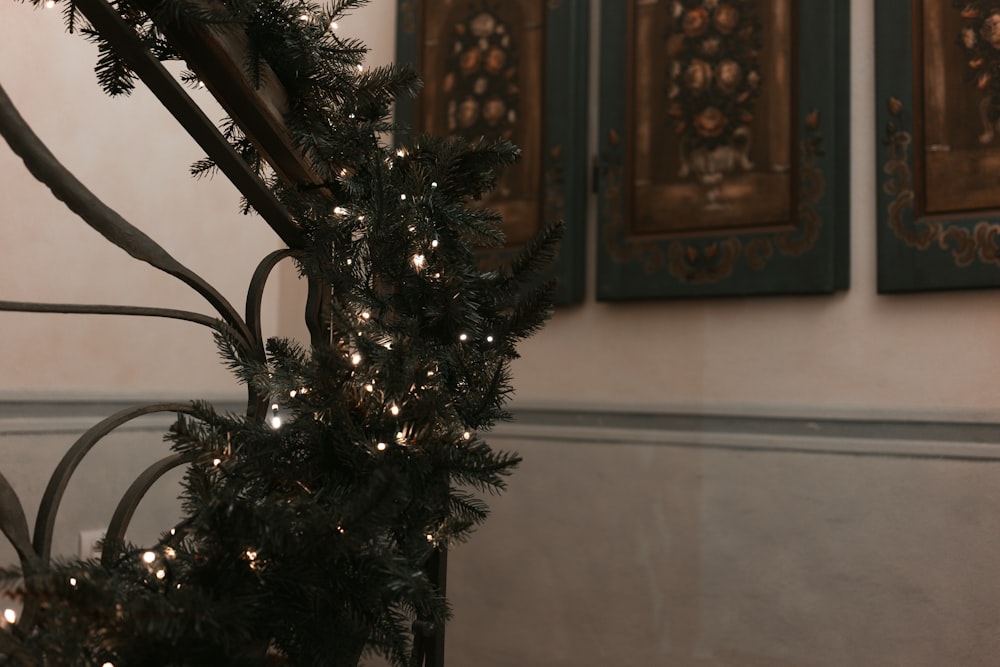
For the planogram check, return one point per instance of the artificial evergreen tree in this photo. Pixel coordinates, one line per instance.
(308, 522)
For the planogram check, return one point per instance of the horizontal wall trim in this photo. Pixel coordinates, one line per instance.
(827, 435)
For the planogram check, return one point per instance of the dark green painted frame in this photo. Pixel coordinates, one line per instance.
(811, 259)
(565, 132)
(917, 252)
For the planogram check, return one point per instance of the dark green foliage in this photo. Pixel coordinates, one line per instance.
(308, 543)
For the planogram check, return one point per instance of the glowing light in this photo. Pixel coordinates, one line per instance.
(173, 531)
(419, 261)
(275, 422)
(355, 358)
(251, 555)
(369, 388)
(430, 374)
(339, 210)
(216, 462)
(434, 243)
(381, 446)
(361, 68)
(434, 184)
(463, 337)
(72, 582)
(304, 17)
(201, 84)
(400, 152)
(366, 315)
(274, 406)
(402, 197)
(149, 557)
(333, 25)
(292, 393)
(467, 435)
(10, 616)
(489, 339)
(111, 664)
(161, 574)
(304, 390)
(430, 538)
(394, 410)
(340, 529)
(169, 552)
(49, 4)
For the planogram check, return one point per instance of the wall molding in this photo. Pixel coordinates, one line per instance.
(817, 432)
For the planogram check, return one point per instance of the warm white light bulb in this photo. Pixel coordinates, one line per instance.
(72, 582)
(434, 243)
(394, 410)
(111, 664)
(304, 17)
(49, 4)
(400, 152)
(463, 337)
(381, 446)
(10, 616)
(292, 393)
(355, 358)
(419, 261)
(161, 574)
(361, 68)
(434, 184)
(274, 406)
(366, 315)
(333, 25)
(339, 210)
(275, 422)
(467, 435)
(489, 339)
(369, 388)
(216, 461)
(149, 557)
(402, 197)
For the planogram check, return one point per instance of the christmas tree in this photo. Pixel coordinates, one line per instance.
(311, 523)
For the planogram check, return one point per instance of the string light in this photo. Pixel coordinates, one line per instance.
(169, 552)
(216, 462)
(49, 4)
(463, 337)
(161, 574)
(10, 616)
(355, 358)
(292, 393)
(339, 210)
(149, 557)
(333, 25)
(467, 436)
(366, 315)
(305, 18)
(111, 664)
(369, 387)
(434, 243)
(419, 261)
(201, 84)
(381, 446)
(400, 152)
(489, 339)
(361, 68)
(402, 197)
(394, 410)
(434, 184)
(72, 582)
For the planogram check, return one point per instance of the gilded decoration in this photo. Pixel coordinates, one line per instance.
(700, 261)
